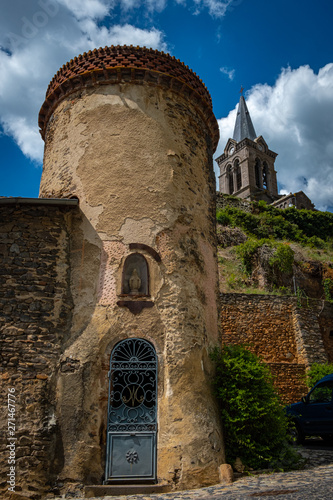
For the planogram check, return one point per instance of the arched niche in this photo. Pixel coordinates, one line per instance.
(135, 276)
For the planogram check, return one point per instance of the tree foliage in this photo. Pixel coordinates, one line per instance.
(318, 371)
(328, 289)
(309, 227)
(282, 255)
(255, 425)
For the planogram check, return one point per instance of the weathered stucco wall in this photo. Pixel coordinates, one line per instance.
(290, 337)
(34, 322)
(139, 158)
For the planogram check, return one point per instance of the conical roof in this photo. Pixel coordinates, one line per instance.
(243, 126)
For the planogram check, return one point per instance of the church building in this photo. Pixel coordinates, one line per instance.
(247, 167)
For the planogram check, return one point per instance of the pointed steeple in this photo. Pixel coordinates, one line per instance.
(243, 126)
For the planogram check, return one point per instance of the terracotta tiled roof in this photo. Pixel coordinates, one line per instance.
(128, 64)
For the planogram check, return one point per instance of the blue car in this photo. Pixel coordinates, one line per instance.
(313, 415)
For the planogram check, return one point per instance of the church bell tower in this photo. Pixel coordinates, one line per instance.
(247, 164)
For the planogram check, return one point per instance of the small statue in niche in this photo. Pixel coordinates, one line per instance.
(134, 282)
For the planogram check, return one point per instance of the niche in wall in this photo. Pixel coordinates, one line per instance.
(135, 277)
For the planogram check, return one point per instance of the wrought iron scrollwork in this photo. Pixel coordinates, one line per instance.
(132, 400)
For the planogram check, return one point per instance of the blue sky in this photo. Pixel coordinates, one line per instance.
(279, 51)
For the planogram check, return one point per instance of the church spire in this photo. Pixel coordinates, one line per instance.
(243, 126)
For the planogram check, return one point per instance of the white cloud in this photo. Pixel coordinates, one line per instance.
(216, 8)
(229, 72)
(39, 36)
(295, 118)
(149, 5)
(94, 9)
(35, 43)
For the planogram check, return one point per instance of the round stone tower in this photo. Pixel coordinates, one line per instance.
(130, 132)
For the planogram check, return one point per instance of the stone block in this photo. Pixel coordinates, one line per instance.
(226, 474)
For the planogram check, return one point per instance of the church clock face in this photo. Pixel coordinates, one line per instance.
(260, 147)
(231, 150)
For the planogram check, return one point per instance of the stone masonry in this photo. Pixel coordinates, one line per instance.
(34, 325)
(289, 336)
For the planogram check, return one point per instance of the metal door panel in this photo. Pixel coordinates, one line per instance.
(132, 456)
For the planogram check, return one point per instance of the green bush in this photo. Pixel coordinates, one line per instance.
(316, 372)
(235, 217)
(283, 258)
(309, 227)
(255, 425)
(246, 251)
(314, 242)
(311, 223)
(223, 218)
(328, 289)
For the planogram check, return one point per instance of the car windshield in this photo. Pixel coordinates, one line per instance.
(322, 393)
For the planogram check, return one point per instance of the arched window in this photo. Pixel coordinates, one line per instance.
(257, 169)
(265, 176)
(238, 176)
(135, 279)
(230, 180)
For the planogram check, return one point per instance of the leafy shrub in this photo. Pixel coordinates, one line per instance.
(283, 258)
(255, 425)
(261, 205)
(316, 372)
(275, 225)
(328, 289)
(312, 228)
(247, 250)
(314, 242)
(311, 223)
(236, 217)
(223, 218)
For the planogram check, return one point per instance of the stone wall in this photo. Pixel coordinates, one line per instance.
(225, 200)
(34, 321)
(326, 328)
(290, 337)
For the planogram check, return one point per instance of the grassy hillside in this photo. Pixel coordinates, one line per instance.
(263, 249)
